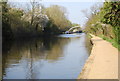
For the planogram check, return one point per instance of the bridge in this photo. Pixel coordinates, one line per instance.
(75, 29)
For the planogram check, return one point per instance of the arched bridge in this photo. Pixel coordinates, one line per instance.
(75, 29)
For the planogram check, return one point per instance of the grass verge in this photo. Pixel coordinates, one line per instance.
(112, 41)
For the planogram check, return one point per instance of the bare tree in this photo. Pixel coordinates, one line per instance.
(86, 13)
(33, 4)
(93, 10)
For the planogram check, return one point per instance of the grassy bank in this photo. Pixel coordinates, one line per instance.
(105, 23)
(103, 55)
(112, 41)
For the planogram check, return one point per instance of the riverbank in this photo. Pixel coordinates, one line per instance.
(103, 61)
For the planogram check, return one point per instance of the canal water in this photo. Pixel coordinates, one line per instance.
(61, 57)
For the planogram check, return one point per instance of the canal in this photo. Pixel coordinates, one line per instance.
(61, 57)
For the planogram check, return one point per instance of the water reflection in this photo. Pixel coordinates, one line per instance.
(44, 58)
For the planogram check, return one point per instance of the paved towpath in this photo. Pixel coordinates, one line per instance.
(103, 61)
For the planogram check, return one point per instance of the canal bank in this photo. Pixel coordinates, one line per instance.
(103, 61)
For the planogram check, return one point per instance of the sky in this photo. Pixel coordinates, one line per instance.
(58, 0)
(74, 8)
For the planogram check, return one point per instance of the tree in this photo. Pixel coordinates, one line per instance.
(111, 15)
(6, 29)
(15, 18)
(33, 4)
(57, 15)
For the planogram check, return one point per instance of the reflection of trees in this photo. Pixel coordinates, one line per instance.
(10, 55)
(33, 51)
(56, 50)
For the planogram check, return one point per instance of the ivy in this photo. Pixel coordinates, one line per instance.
(111, 15)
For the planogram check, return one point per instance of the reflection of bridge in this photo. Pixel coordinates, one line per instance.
(75, 29)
